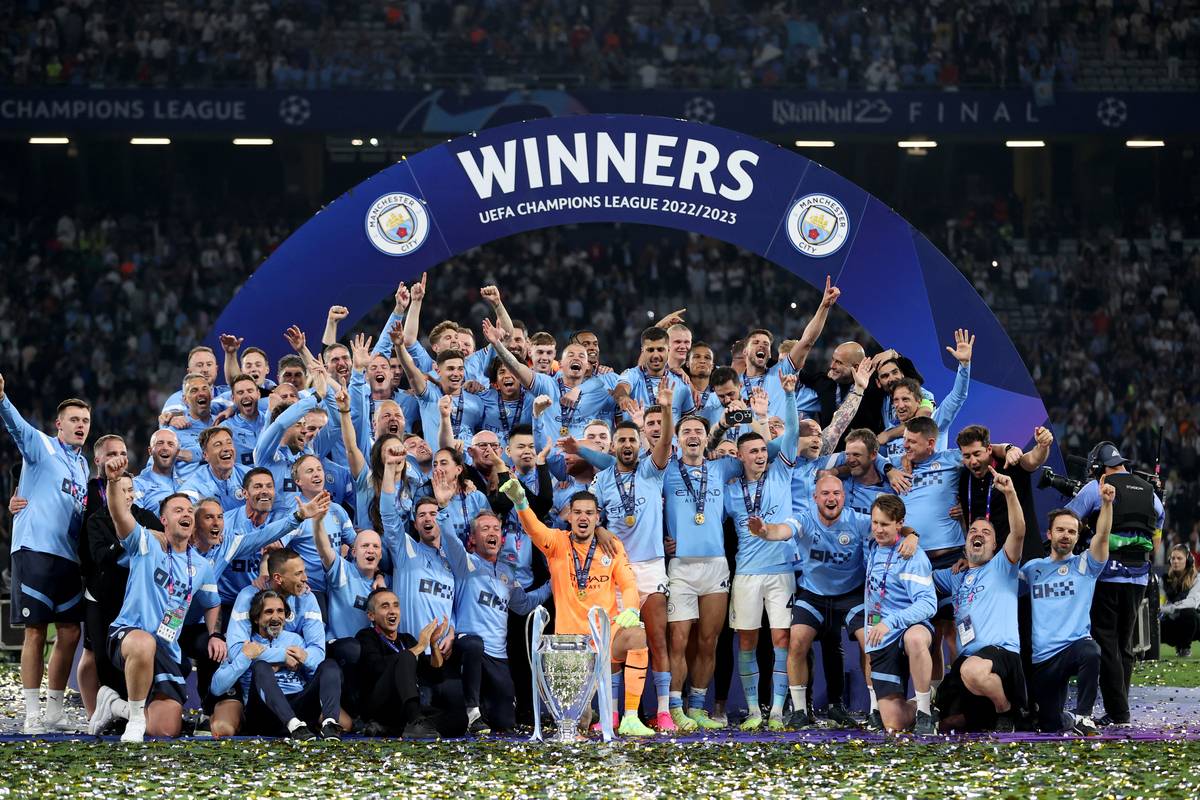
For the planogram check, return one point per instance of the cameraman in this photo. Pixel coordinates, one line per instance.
(1136, 528)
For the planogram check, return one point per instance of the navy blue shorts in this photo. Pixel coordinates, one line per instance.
(827, 613)
(889, 667)
(45, 588)
(168, 680)
(954, 698)
(945, 609)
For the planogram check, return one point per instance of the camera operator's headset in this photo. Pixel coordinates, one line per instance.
(1094, 467)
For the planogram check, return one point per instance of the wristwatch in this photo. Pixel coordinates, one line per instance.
(298, 515)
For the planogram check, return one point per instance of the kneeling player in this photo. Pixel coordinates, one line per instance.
(900, 601)
(1062, 587)
(165, 575)
(578, 584)
(986, 686)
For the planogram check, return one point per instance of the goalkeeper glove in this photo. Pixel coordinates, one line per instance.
(515, 491)
(627, 619)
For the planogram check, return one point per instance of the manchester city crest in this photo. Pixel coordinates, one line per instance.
(817, 225)
(397, 224)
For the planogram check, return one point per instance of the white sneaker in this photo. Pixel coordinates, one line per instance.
(63, 722)
(34, 727)
(103, 715)
(135, 732)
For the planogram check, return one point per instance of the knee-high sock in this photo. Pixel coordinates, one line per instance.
(779, 681)
(636, 662)
(662, 688)
(748, 672)
(696, 698)
(616, 691)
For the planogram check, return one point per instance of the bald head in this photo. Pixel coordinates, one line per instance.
(846, 358)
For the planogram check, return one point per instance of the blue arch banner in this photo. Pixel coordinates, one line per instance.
(673, 173)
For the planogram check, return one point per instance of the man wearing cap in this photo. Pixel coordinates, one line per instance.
(1137, 521)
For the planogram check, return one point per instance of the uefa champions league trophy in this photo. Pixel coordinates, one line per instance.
(567, 670)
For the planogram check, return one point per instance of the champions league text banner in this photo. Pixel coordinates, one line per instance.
(996, 114)
(476, 189)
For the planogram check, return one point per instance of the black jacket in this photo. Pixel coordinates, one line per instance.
(377, 657)
(99, 548)
(870, 409)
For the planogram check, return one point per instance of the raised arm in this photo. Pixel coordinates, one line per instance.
(849, 407)
(395, 320)
(1015, 542)
(412, 322)
(791, 419)
(545, 538)
(231, 344)
(1042, 438)
(812, 331)
(298, 341)
(27, 437)
(662, 448)
(118, 506)
(495, 337)
(354, 457)
(1099, 545)
(336, 314)
(272, 435)
(321, 538)
(416, 379)
(947, 410)
(492, 295)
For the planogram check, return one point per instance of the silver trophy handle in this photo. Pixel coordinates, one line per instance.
(538, 619)
(602, 637)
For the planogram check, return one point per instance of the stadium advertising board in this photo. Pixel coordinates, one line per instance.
(763, 113)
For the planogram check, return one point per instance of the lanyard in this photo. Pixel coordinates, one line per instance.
(626, 493)
(456, 413)
(754, 508)
(386, 640)
(566, 412)
(703, 399)
(987, 512)
(651, 391)
(581, 573)
(886, 571)
(171, 574)
(698, 499)
(504, 426)
(749, 387)
(73, 461)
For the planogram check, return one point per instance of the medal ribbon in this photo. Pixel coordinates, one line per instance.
(582, 572)
(504, 426)
(628, 503)
(698, 499)
(754, 508)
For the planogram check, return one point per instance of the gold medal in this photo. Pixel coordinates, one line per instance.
(630, 519)
(563, 431)
(581, 594)
(699, 518)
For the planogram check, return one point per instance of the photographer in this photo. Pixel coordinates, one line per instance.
(1136, 528)
(1180, 617)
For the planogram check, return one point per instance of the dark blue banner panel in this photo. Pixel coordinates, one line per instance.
(762, 113)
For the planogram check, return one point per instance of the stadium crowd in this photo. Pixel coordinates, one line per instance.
(352, 537)
(728, 44)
